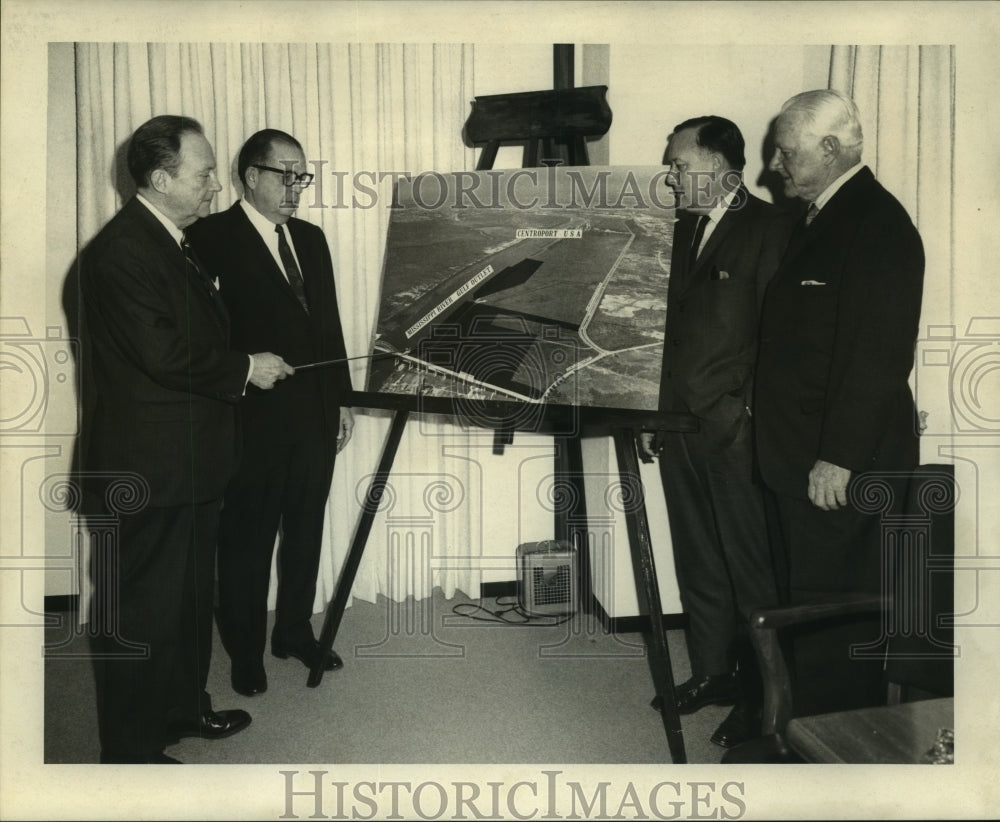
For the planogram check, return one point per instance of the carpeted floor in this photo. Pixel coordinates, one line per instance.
(421, 684)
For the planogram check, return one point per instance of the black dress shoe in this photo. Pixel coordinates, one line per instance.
(248, 678)
(307, 653)
(163, 759)
(143, 759)
(210, 725)
(740, 726)
(695, 694)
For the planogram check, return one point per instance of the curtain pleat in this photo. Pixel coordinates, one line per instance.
(906, 95)
(358, 109)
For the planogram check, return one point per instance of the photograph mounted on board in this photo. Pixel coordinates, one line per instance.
(543, 286)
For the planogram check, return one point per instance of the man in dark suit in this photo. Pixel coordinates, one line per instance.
(726, 246)
(163, 427)
(278, 284)
(838, 332)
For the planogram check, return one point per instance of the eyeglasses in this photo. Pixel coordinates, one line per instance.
(288, 177)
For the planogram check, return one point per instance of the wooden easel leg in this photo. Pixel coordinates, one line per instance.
(571, 524)
(488, 155)
(648, 590)
(335, 610)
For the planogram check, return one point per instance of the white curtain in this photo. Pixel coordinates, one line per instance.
(906, 95)
(358, 109)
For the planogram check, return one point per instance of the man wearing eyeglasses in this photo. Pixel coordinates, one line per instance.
(276, 278)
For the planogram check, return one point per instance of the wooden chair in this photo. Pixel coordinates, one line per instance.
(917, 607)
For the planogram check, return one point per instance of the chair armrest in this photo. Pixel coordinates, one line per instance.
(834, 606)
(764, 626)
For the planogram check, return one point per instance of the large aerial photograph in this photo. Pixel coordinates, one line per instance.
(534, 285)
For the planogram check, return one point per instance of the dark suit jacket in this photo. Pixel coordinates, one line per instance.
(167, 383)
(266, 316)
(838, 331)
(712, 312)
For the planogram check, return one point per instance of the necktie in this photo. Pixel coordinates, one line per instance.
(193, 263)
(699, 233)
(188, 253)
(291, 269)
(811, 213)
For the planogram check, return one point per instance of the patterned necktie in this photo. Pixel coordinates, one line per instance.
(291, 269)
(811, 213)
(193, 263)
(188, 253)
(699, 233)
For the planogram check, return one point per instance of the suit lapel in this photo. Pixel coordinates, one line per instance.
(158, 235)
(199, 273)
(803, 237)
(313, 272)
(683, 235)
(173, 253)
(843, 201)
(310, 267)
(258, 256)
(724, 226)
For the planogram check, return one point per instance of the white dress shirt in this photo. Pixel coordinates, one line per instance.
(270, 237)
(715, 215)
(165, 221)
(835, 186)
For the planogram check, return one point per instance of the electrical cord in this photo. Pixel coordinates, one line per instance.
(500, 615)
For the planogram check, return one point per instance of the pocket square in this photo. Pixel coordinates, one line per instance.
(811, 282)
(720, 275)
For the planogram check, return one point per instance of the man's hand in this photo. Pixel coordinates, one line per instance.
(268, 368)
(346, 428)
(650, 443)
(828, 485)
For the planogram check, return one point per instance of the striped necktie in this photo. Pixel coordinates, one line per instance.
(193, 264)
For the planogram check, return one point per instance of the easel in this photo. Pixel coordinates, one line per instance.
(550, 121)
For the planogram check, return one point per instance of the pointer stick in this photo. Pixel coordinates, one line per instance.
(322, 363)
